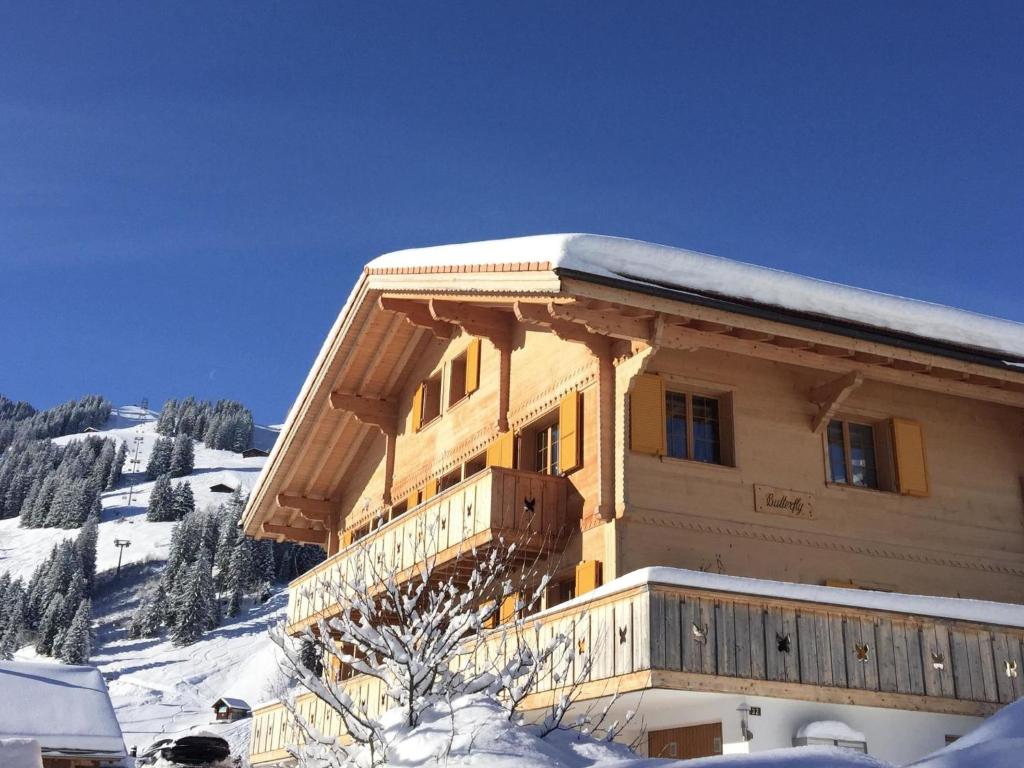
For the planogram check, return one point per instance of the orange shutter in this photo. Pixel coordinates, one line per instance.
(911, 467)
(647, 415)
(473, 366)
(430, 489)
(491, 621)
(507, 612)
(569, 433)
(346, 537)
(500, 452)
(412, 500)
(588, 576)
(417, 409)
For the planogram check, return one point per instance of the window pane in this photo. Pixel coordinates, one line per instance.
(836, 452)
(541, 460)
(675, 424)
(705, 430)
(553, 440)
(862, 456)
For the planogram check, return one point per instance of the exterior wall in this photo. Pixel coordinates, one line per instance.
(966, 538)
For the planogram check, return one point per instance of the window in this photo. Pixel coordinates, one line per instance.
(457, 380)
(538, 446)
(851, 454)
(475, 465)
(452, 478)
(693, 427)
(431, 399)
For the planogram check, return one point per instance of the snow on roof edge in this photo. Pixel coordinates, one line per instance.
(641, 262)
(958, 608)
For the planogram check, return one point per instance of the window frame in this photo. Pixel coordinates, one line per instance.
(457, 368)
(434, 380)
(724, 440)
(881, 444)
(528, 437)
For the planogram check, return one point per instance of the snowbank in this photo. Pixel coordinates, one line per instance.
(685, 270)
(829, 729)
(66, 709)
(981, 611)
(996, 743)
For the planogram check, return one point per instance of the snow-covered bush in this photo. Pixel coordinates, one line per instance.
(431, 635)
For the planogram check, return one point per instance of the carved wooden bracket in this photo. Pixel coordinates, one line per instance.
(368, 410)
(491, 324)
(830, 396)
(317, 510)
(545, 316)
(416, 313)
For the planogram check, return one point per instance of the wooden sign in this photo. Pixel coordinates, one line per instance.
(782, 501)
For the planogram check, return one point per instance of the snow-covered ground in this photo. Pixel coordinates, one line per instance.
(155, 687)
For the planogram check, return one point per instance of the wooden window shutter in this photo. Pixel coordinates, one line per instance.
(430, 489)
(491, 621)
(412, 500)
(346, 537)
(569, 433)
(911, 466)
(500, 452)
(508, 608)
(417, 409)
(647, 415)
(588, 576)
(473, 366)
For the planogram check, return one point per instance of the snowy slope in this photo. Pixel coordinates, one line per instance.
(157, 688)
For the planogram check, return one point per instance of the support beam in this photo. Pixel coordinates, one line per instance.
(368, 410)
(491, 324)
(544, 316)
(319, 510)
(604, 321)
(416, 313)
(305, 535)
(831, 395)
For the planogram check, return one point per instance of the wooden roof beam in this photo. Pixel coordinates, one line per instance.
(604, 321)
(416, 313)
(541, 315)
(305, 535)
(831, 395)
(368, 410)
(491, 324)
(317, 510)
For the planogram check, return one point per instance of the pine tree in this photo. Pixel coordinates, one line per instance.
(161, 501)
(85, 545)
(13, 628)
(240, 575)
(50, 625)
(76, 644)
(114, 476)
(183, 503)
(194, 611)
(160, 458)
(182, 456)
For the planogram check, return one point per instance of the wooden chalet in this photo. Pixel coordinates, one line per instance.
(231, 709)
(813, 447)
(252, 453)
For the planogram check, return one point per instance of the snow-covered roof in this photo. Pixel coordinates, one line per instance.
(829, 729)
(689, 271)
(233, 703)
(980, 611)
(65, 708)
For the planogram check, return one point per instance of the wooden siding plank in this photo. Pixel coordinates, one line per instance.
(641, 632)
(673, 643)
(756, 634)
(657, 630)
(689, 615)
(1004, 683)
(901, 659)
(886, 656)
(851, 639)
(808, 643)
(988, 667)
(775, 664)
(741, 621)
(725, 638)
(708, 657)
(837, 651)
(961, 665)
(823, 649)
(622, 618)
(791, 659)
(871, 665)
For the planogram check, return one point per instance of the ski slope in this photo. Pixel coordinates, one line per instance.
(156, 688)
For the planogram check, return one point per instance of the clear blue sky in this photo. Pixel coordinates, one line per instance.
(188, 190)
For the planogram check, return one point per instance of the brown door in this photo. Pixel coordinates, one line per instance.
(684, 743)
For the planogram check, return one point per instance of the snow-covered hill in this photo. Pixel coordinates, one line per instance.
(158, 688)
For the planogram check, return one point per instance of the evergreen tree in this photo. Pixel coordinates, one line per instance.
(114, 476)
(182, 456)
(76, 644)
(194, 612)
(13, 628)
(50, 625)
(161, 501)
(85, 545)
(183, 503)
(240, 575)
(160, 458)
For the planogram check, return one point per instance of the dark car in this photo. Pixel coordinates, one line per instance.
(197, 750)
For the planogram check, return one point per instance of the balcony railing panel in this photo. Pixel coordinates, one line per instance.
(526, 507)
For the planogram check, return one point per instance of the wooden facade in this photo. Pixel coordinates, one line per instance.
(446, 389)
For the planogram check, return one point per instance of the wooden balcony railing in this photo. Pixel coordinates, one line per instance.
(694, 639)
(492, 504)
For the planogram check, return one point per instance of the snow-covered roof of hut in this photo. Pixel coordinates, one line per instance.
(233, 703)
(829, 729)
(649, 265)
(65, 708)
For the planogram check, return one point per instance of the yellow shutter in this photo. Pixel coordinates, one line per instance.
(491, 621)
(588, 576)
(430, 489)
(473, 366)
(507, 612)
(417, 408)
(647, 415)
(500, 452)
(911, 467)
(412, 500)
(346, 537)
(569, 433)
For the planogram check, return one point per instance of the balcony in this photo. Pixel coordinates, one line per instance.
(475, 513)
(726, 641)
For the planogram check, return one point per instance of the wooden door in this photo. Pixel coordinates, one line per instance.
(684, 743)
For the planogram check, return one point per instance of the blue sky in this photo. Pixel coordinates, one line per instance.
(188, 190)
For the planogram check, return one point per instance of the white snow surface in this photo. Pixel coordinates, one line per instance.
(157, 689)
(64, 708)
(20, 753)
(685, 270)
(981, 611)
(829, 729)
